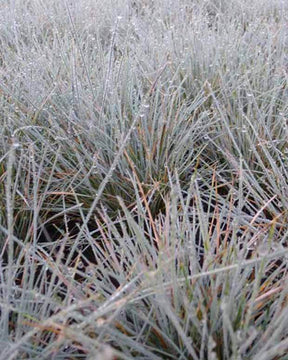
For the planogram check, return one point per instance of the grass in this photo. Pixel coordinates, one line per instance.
(143, 180)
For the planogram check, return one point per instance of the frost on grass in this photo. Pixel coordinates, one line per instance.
(143, 179)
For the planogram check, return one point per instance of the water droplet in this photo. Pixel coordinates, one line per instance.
(263, 249)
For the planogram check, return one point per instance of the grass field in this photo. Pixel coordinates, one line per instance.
(144, 179)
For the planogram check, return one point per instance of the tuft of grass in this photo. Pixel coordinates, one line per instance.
(143, 180)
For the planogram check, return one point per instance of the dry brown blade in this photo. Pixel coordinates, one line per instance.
(215, 216)
(55, 328)
(252, 222)
(262, 208)
(157, 238)
(60, 193)
(107, 243)
(268, 293)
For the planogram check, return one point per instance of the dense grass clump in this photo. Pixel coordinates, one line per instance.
(144, 179)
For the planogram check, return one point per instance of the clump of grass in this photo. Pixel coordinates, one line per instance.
(143, 180)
